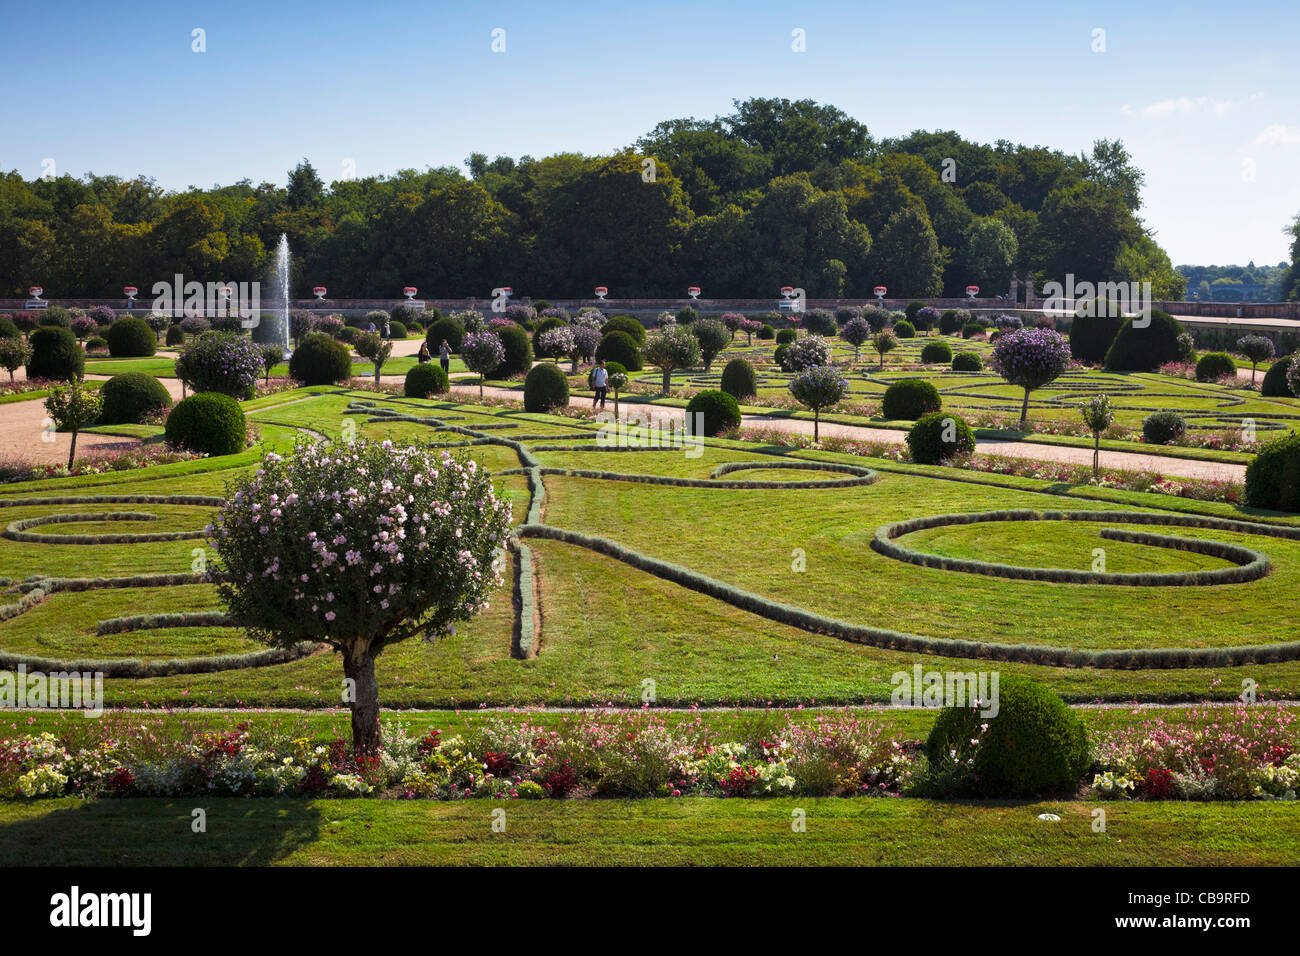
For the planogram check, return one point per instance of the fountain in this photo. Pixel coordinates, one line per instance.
(277, 332)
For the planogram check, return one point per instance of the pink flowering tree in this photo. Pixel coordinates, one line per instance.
(482, 352)
(1030, 359)
(360, 546)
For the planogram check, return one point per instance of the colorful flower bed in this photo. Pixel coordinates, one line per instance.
(98, 462)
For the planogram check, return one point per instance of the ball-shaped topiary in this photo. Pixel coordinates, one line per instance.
(939, 437)
(936, 352)
(425, 380)
(971, 329)
(711, 412)
(55, 354)
(209, 423)
(1214, 365)
(766, 333)
(396, 330)
(967, 362)
(175, 335)
(910, 399)
(8, 330)
(546, 387)
(912, 308)
(320, 360)
(779, 354)
(1033, 743)
(738, 379)
(446, 330)
(1144, 343)
(1274, 383)
(131, 396)
(620, 347)
(785, 336)
(905, 330)
(1094, 327)
(1163, 428)
(518, 357)
(1273, 477)
(949, 323)
(130, 337)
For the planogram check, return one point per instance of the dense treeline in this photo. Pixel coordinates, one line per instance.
(777, 193)
(1248, 283)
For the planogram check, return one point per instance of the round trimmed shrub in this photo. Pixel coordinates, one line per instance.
(1214, 365)
(738, 379)
(55, 354)
(1034, 743)
(1145, 348)
(446, 330)
(785, 336)
(910, 399)
(129, 397)
(546, 387)
(912, 308)
(7, 328)
(936, 352)
(175, 335)
(949, 323)
(905, 330)
(519, 352)
(971, 329)
(396, 330)
(209, 423)
(130, 337)
(95, 344)
(766, 332)
(719, 410)
(1273, 476)
(778, 356)
(320, 360)
(1274, 384)
(940, 437)
(425, 380)
(967, 362)
(1163, 428)
(625, 323)
(1094, 327)
(619, 347)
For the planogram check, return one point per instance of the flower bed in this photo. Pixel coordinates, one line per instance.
(98, 462)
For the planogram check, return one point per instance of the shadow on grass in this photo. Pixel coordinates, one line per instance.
(155, 832)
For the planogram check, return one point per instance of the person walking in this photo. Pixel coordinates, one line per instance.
(444, 356)
(600, 382)
(423, 355)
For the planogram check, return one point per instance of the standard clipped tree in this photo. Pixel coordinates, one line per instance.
(272, 355)
(713, 337)
(72, 409)
(884, 341)
(673, 348)
(1257, 348)
(14, 354)
(482, 352)
(856, 331)
(1098, 416)
(371, 346)
(1030, 359)
(818, 387)
(360, 545)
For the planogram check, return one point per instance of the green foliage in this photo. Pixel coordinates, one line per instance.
(623, 323)
(711, 412)
(1145, 347)
(912, 308)
(738, 379)
(396, 330)
(767, 333)
(1214, 365)
(56, 316)
(1273, 477)
(936, 352)
(905, 330)
(320, 360)
(971, 329)
(949, 324)
(518, 352)
(618, 346)
(8, 330)
(55, 354)
(713, 337)
(209, 423)
(446, 330)
(786, 336)
(910, 399)
(14, 354)
(940, 437)
(1094, 327)
(175, 335)
(425, 380)
(130, 397)
(686, 315)
(545, 387)
(820, 322)
(1163, 428)
(670, 349)
(1274, 383)
(130, 337)
(967, 362)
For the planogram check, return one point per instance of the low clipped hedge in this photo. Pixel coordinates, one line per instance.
(425, 380)
(1214, 365)
(967, 362)
(936, 352)
(1273, 476)
(208, 423)
(519, 352)
(55, 354)
(1274, 384)
(546, 387)
(130, 337)
(710, 412)
(620, 347)
(129, 397)
(739, 380)
(320, 360)
(940, 437)
(910, 399)
(1033, 744)
(1163, 428)
(446, 330)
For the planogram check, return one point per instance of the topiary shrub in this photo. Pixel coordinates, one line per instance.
(686, 315)
(785, 336)
(402, 315)
(617, 346)
(926, 318)
(971, 329)
(130, 337)
(1144, 348)
(1274, 384)
(225, 362)
(912, 308)
(1033, 744)
(131, 396)
(1273, 476)
(56, 316)
(939, 437)
(967, 362)
(425, 380)
(1163, 428)
(544, 326)
(444, 330)
(320, 360)
(175, 335)
(738, 379)
(820, 322)
(625, 323)
(778, 356)
(1094, 327)
(910, 399)
(8, 330)
(766, 333)
(949, 323)
(1214, 365)
(936, 352)
(55, 354)
(209, 423)
(710, 412)
(96, 344)
(396, 330)
(518, 352)
(545, 387)
(905, 330)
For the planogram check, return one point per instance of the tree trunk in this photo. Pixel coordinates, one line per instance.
(1096, 453)
(72, 451)
(480, 385)
(817, 417)
(573, 369)
(1024, 411)
(359, 667)
(377, 367)
(667, 383)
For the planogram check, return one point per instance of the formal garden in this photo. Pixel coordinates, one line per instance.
(383, 598)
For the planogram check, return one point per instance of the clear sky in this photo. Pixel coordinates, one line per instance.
(1205, 95)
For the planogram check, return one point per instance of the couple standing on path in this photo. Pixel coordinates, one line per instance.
(444, 355)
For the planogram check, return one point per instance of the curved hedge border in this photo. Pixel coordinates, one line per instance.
(136, 668)
(861, 476)
(145, 622)
(526, 594)
(17, 530)
(1132, 659)
(1250, 565)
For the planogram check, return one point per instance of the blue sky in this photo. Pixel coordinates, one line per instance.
(1206, 96)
